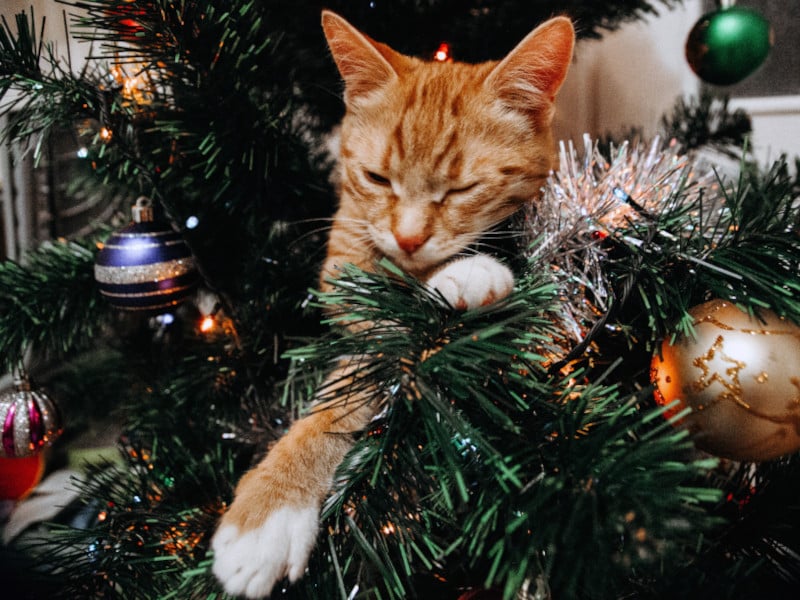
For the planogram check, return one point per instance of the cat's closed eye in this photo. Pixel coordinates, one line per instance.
(377, 178)
(463, 189)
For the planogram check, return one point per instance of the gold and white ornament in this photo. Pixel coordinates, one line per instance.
(740, 375)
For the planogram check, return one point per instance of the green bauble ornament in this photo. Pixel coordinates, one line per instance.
(727, 45)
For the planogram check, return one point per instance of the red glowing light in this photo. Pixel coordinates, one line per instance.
(442, 53)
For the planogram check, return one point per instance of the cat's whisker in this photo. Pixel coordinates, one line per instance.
(341, 219)
(483, 248)
(310, 233)
(313, 220)
(361, 243)
(504, 234)
(465, 252)
(331, 221)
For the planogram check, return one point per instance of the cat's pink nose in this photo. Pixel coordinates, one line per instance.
(410, 244)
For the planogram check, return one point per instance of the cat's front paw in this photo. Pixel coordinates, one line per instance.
(249, 562)
(473, 281)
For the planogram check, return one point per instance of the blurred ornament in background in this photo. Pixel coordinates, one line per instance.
(30, 420)
(128, 16)
(19, 476)
(740, 375)
(727, 45)
(145, 266)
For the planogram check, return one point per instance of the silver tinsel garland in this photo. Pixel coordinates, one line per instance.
(591, 198)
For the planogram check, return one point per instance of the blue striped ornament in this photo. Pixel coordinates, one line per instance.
(30, 421)
(145, 266)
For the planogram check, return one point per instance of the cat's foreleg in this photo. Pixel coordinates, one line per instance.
(271, 527)
(472, 281)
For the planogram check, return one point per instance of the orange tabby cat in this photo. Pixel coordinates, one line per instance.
(432, 156)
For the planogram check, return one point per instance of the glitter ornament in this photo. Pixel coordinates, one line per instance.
(588, 205)
(30, 420)
(740, 375)
(145, 266)
(727, 45)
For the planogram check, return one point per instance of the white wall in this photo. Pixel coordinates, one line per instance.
(776, 125)
(53, 14)
(633, 76)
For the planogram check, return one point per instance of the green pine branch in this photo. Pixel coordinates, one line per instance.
(38, 92)
(49, 304)
(148, 520)
(215, 101)
(486, 461)
(761, 512)
(744, 249)
(707, 120)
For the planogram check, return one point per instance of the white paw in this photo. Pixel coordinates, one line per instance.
(473, 281)
(249, 563)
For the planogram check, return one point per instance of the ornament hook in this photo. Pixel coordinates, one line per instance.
(142, 211)
(22, 382)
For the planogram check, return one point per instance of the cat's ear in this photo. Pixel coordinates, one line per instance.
(364, 64)
(532, 73)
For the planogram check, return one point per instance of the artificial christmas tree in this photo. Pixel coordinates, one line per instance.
(521, 452)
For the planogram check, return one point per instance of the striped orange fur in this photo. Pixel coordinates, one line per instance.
(432, 155)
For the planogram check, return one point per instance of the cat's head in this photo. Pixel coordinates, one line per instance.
(435, 154)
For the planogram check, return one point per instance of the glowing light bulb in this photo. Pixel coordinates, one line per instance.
(166, 318)
(207, 324)
(442, 53)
